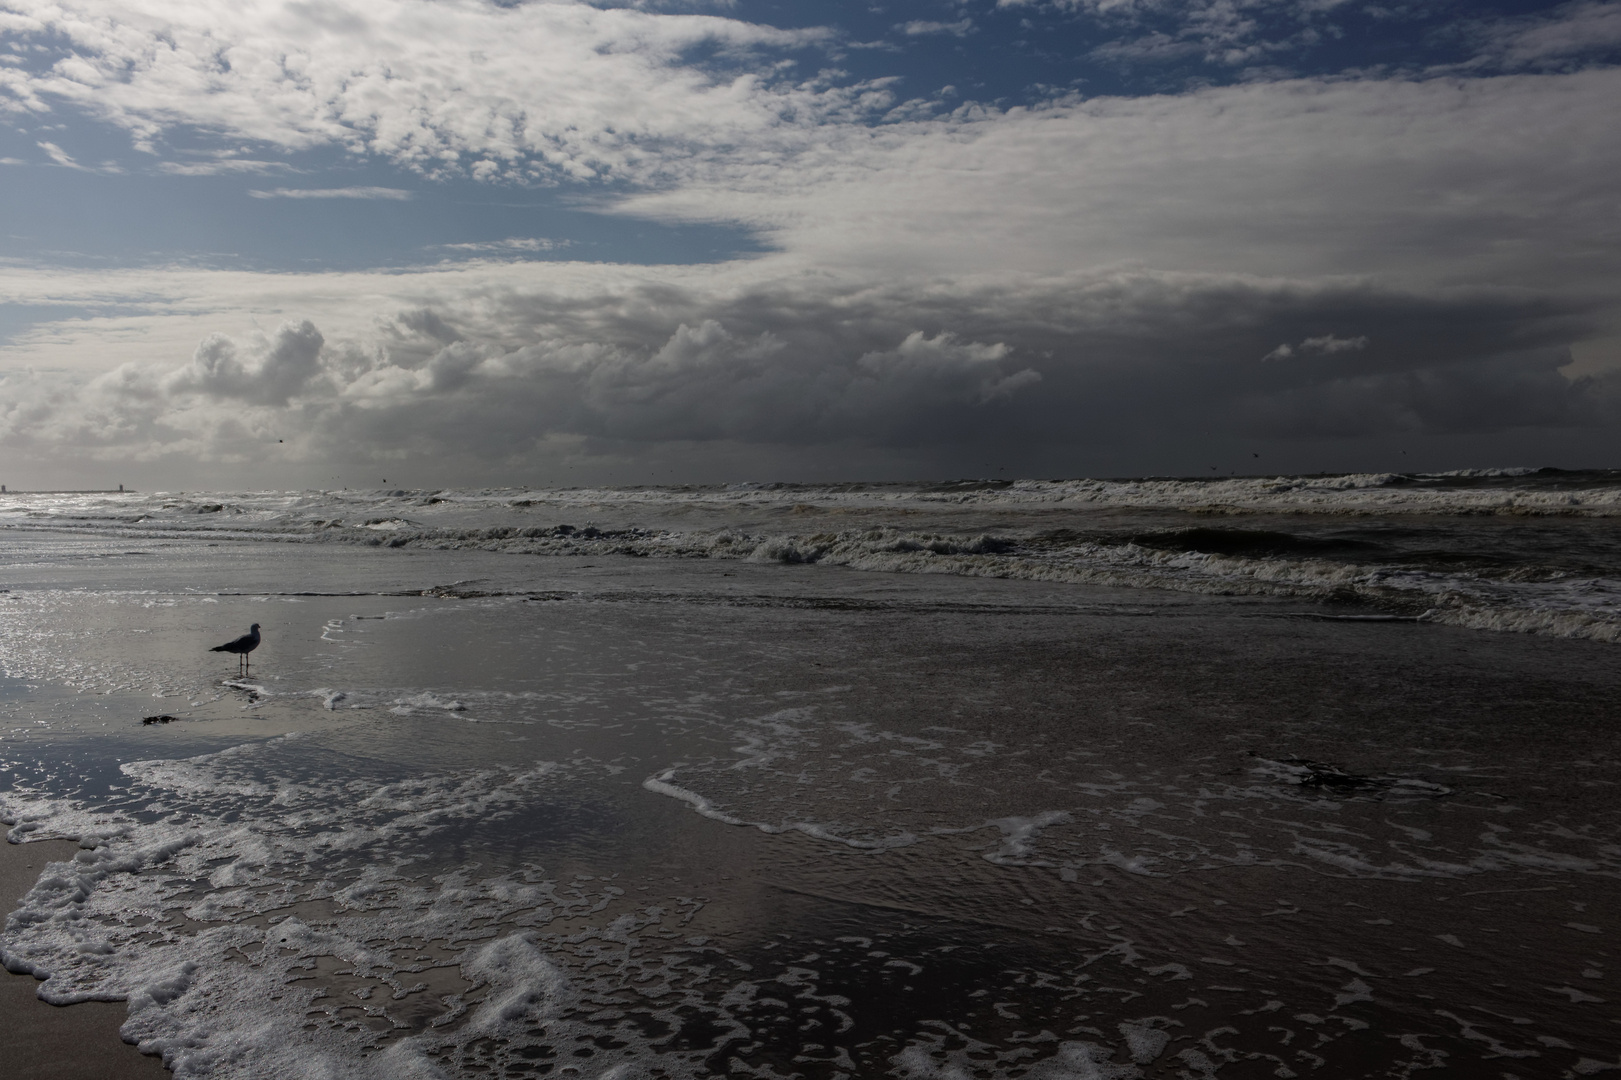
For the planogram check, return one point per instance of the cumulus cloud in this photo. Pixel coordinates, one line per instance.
(522, 91)
(649, 359)
(283, 366)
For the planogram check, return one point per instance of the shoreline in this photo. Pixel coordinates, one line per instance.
(1192, 820)
(58, 1042)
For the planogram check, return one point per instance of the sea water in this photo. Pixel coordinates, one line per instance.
(1294, 776)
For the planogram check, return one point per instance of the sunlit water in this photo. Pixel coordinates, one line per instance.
(982, 781)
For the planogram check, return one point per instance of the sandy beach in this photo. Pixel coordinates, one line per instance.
(49, 1042)
(475, 812)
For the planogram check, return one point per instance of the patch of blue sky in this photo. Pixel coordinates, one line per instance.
(1024, 53)
(17, 319)
(107, 205)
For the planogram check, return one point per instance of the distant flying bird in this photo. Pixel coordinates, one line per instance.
(242, 646)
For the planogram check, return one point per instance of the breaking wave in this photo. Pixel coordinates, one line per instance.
(1325, 538)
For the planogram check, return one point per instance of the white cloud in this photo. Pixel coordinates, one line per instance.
(536, 90)
(63, 159)
(923, 27)
(1494, 179)
(1507, 179)
(399, 194)
(222, 166)
(1571, 33)
(283, 367)
(510, 245)
(1230, 33)
(61, 156)
(1244, 33)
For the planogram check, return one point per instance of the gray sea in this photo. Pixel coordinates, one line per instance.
(1242, 777)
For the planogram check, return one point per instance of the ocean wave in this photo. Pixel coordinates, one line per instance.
(1549, 603)
(1512, 491)
(1037, 530)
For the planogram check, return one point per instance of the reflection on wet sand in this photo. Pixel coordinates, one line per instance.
(876, 826)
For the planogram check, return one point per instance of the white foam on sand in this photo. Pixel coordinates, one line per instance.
(860, 786)
(1019, 835)
(426, 702)
(1070, 1060)
(261, 924)
(185, 914)
(661, 784)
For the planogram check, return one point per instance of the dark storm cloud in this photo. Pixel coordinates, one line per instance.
(1074, 360)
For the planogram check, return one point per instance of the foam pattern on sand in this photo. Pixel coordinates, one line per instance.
(298, 941)
(871, 789)
(266, 914)
(206, 924)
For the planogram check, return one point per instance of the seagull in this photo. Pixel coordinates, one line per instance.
(242, 646)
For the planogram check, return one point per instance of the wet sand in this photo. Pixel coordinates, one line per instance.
(50, 1042)
(1109, 833)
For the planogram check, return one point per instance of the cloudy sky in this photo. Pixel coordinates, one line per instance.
(427, 242)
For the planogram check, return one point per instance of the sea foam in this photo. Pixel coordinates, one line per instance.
(1035, 530)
